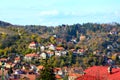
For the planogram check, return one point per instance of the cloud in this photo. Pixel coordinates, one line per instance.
(49, 13)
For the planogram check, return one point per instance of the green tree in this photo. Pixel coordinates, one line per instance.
(62, 63)
(47, 73)
(66, 77)
(52, 40)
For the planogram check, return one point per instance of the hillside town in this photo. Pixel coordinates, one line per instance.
(67, 52)
(18, 67)
(59, 39)
(28, 67)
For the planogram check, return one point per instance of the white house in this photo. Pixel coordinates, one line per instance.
(58, 53)
(43, 55)
(51, 47)
(42, 48)
(50, 53)
(33, 45)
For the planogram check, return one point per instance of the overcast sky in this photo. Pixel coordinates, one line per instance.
(57, 12)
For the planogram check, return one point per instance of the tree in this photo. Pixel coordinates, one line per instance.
(56, 63)
(62, 63)
(52, 40)
(47, 73)
(66, 77)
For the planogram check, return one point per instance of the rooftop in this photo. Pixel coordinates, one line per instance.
(100, 73)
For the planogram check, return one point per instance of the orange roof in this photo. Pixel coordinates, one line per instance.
(59, 48)
(101, 73)
(40, 67)
(31, 55)
(75, 74)
(58, 77)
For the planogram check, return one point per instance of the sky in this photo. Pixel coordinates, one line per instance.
(57, 12)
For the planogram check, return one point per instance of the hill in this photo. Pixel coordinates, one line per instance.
(90, 36)
(3, 24)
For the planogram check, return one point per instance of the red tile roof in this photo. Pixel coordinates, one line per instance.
(74, 74)
(59, 48)
(58, 77)
(100, 73)
(40, 67)
(31, 55)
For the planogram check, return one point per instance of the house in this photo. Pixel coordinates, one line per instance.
(58, 71)
(51, 47)
(73, 76)
(29, 57)
(58, 53)
(42, 48)
(50, 53)
(17, 59)
(60, 48)
(100, 73)
(43, 55)
(33, 45)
